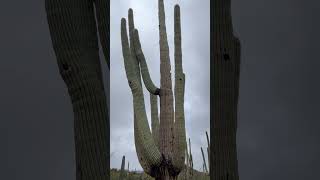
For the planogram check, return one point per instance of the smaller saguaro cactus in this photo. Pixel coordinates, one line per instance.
(190, 157)
(128, 166)
(204, 161)
(128, 174)
(122, 171)
(208, 151)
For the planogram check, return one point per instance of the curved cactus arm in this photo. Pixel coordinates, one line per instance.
(154, 118)
(179, 124)
(143, 138)
(135, 67)
(143, 65)
(135, 62)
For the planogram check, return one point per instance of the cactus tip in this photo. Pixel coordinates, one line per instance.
(123, 21)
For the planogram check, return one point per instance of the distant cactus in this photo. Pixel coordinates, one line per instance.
(122, 171)
(190, 155)
(208, 151)
(204, 161)
(128, 173)
(162, 153)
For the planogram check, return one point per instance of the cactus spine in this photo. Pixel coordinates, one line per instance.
(162, 152)
(225, 73)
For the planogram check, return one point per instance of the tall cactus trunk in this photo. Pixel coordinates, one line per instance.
(225, 71)
(162, 152)
(73, 33)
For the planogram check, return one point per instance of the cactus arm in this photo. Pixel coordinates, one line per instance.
(143, 65)
(143, 137)
(135, 62)
(154, 118)
(132, 72)
(131, 77)
(179, 124)
(103, 27)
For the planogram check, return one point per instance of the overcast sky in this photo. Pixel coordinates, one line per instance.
(195, 17)
(278, 133)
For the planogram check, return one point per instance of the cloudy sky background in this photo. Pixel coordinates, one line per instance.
(195, 17)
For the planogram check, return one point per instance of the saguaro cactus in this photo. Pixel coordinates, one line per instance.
(225, 72)
(190, 156)
(204, 161)
(208, 151)
(122, 170)
(74, 37)
(162, 154)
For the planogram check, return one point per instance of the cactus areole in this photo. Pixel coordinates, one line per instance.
(161, 152)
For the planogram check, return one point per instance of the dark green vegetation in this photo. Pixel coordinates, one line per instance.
(115, 174)
(162, 152)
(74, 38)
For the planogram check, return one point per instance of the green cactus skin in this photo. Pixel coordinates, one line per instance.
(74, 37)
(154, 118)
(162, 152)
(225, 76)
